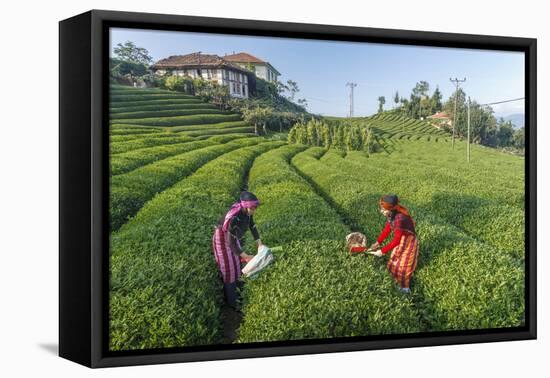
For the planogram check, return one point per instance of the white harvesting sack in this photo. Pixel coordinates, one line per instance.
(262, 259)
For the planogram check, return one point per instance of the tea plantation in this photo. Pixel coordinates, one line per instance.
(177, 164)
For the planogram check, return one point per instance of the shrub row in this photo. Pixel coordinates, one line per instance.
(477, 211)
(221, 125)
(460, 283)
(314, 289)
(151, 108)
(164, 287)
(132, 131)
(131, 190)
(116, 106)
(208, 131)
(128, 161)
(144, 140)
(182, 120)
(166, 113)
(146, 97)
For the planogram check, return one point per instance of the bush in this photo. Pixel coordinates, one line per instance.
(198, 119)
(131, 190)
(164, 285)
(314, 289)
(460, 283)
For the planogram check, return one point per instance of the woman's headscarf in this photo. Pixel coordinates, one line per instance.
(391, 202)
(247, 200)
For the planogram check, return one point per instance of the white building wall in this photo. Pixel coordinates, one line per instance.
(236, 81)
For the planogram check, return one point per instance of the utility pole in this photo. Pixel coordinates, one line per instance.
(468, 144)
(351, 86)
(457, 83)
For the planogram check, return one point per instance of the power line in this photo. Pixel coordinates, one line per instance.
(503, 102)
(351, 85)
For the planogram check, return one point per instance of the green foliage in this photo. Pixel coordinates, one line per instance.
(312, 290)
(181, 120)
(131, 53)
(165, 113)
(164, 285)
(178, 83)
(348, 136)
(128, 161)
(169, 188)
(120, 68)
(131, 190)
(460, 283)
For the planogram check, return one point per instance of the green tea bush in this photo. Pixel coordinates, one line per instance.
(144, 141)
(164, 286)
(164, 113)
(154, 108)
(131, 190)
(182, 120)
(128, 161)
(117, 99)
(208, 131)
(123, 105)
(221, 125)
(456, 274)
(314, 289)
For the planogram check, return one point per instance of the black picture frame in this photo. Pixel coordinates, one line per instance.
(83, 181)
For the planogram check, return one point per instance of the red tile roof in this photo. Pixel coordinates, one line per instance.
(243, 57)
(440, 115)
(196, 59)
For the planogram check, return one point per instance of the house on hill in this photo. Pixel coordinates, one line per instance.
(241, 82)
(261, 68)
(440, 119)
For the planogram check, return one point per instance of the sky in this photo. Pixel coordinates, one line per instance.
(322, 68)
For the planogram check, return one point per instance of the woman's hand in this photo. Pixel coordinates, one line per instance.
(375, 246)
(377, 253)
(245, 257)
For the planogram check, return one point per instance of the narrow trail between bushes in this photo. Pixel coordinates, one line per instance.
(344, 218)
(231, 319)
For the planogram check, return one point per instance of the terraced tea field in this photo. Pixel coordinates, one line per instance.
(177, 164)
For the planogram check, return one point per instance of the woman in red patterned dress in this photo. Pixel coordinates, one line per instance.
(404, 245)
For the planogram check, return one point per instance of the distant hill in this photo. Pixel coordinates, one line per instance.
(518, 120)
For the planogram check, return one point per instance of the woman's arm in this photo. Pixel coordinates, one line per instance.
(255, 232)
(385, 232)
(395, 241)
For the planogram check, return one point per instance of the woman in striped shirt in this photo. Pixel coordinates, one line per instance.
(228, 239)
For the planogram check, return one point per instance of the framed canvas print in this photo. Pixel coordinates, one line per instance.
(235, 188)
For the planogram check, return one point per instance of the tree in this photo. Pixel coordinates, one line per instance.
(505, 133)
(435, 101)
(418, 99)
(461, 110)
(519, 138)
(396, 99)
(259, 116)
(129, 52)
(381, 102)
(292, 87)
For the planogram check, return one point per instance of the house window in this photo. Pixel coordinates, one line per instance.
(234, 89)
(244, 90)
